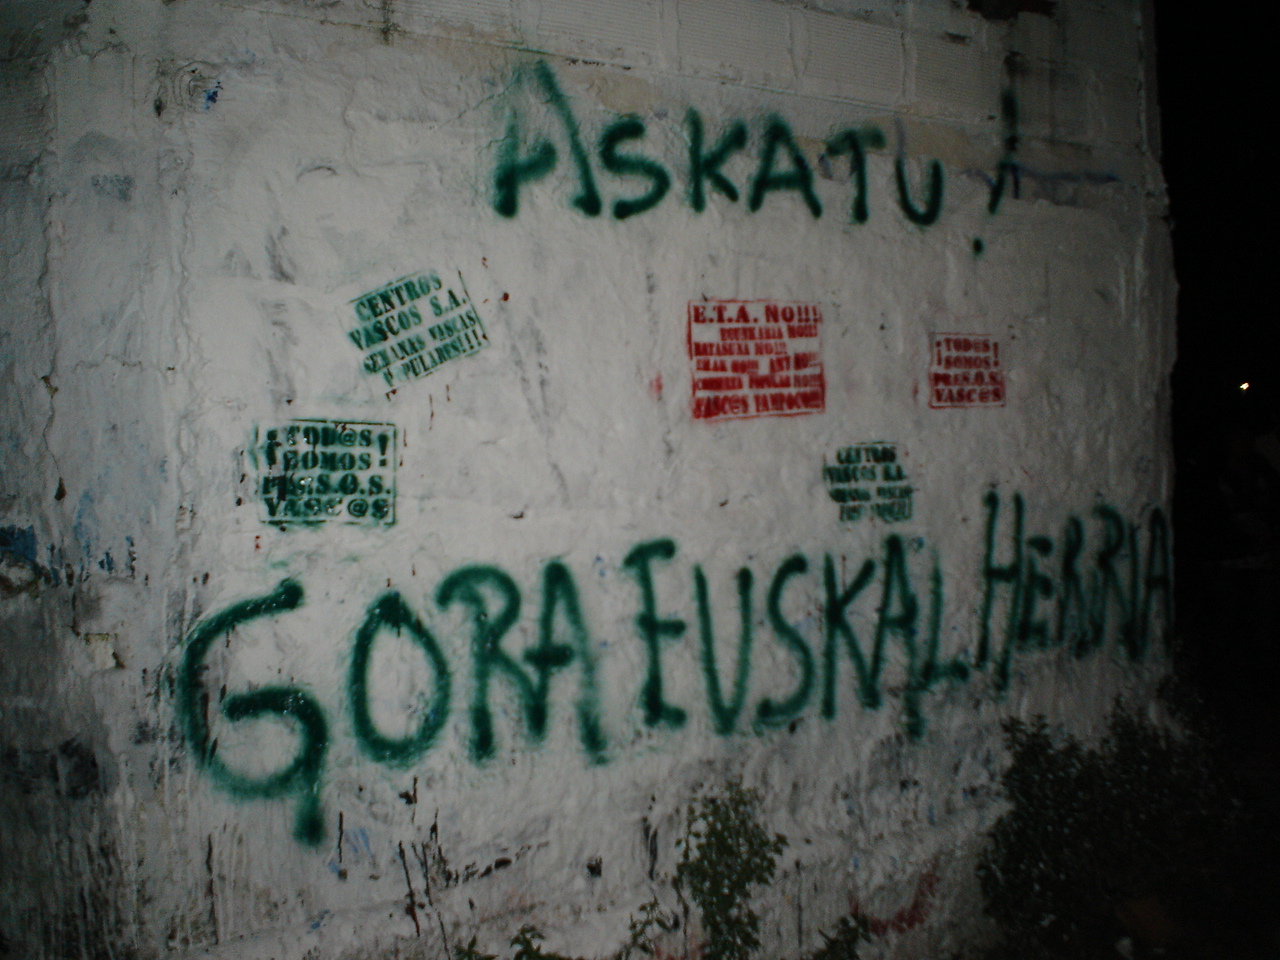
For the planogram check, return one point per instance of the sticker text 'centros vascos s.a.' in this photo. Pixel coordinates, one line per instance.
(869, 480)
(409, 327)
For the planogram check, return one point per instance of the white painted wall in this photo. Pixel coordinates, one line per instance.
(197, 194)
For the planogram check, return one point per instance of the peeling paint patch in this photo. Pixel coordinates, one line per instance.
(117, 186)
(102, 651)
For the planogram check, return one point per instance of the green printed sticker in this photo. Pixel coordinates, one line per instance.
(869, 480)
(327, 471)
(410, 326)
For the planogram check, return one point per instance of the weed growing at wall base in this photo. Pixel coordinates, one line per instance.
(727, 852)
(1126, 839)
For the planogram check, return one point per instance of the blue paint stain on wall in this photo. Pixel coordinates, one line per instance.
(18, 546)
(86, 524)
(19, 542)
(211, 95)
(360, 843)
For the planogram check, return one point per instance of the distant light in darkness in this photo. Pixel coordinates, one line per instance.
(1245, 385)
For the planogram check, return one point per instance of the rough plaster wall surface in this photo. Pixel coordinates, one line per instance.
(444, 439)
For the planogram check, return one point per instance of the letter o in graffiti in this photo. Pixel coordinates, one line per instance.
(390, 611)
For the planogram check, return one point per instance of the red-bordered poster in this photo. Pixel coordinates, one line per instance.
(755, 358)
(965, 370)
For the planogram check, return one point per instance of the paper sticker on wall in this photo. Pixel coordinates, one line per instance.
(755, 358)
(409, 327)
(326, 471)
(965, 371)
(869, 480)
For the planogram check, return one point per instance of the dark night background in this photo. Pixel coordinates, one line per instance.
(1215, 79)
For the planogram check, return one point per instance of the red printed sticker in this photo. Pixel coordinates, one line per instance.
(755, 358)
(965, 371)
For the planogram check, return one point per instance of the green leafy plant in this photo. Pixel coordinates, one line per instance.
(640, 939)
(471, 952)
(726, 853)
(843, 944)
(527, 943)
(1119, 840)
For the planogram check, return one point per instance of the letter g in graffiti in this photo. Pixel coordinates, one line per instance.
(302, 774)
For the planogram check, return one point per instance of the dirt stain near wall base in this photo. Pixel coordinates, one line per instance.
(70, 768)
(1009, 9)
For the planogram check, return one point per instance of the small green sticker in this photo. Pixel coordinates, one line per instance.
(410, 326)
(869, 480)
(326, 471)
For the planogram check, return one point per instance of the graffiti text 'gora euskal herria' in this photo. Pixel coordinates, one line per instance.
(1102, 580)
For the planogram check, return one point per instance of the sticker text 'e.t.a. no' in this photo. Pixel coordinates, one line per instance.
(755, 358)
